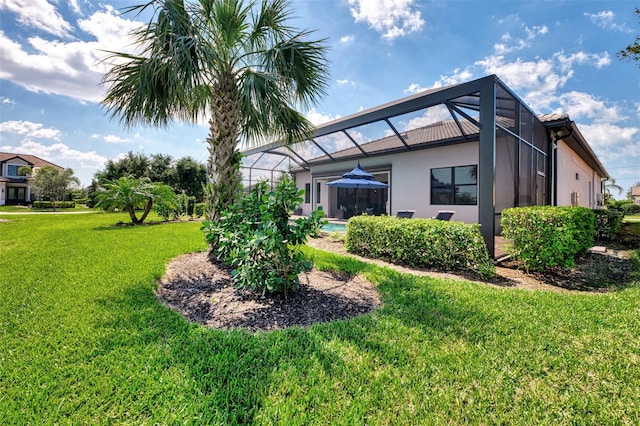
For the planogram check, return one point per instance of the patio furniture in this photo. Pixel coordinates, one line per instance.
(444, 215)
(405, 214)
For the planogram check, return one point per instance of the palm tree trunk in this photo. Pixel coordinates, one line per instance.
(224, 160)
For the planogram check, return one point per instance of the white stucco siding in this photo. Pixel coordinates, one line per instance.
(302, 179)
(409, 179)
(574, 176)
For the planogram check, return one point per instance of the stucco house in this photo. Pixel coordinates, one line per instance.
(14, 188)
(635, 194)
(474, 148)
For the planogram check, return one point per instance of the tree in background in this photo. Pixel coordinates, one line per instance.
(162, 169)
(632, 51)
(237, 64)
(191, 177)
(52, 182)
(130, 194)
(133, 164)
(185, 175)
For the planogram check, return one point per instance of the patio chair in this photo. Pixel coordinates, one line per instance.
(444, 215)
(405, 214)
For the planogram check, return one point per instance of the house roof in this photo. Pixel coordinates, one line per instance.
(32, 160)
(563, 128)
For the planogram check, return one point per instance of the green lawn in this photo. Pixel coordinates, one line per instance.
(83, 340)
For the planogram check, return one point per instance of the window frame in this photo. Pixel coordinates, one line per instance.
(454, 186)
(307, 193)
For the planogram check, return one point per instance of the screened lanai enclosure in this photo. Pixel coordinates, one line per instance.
(474, 147)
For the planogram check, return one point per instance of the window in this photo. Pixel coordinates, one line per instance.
(317, 192)
(12, 170)
(454, 185)
(307, 193)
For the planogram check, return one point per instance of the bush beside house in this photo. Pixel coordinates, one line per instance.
(420, 242)
(544, 236)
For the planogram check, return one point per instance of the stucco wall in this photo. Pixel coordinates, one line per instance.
(574, 176)
(409, 179)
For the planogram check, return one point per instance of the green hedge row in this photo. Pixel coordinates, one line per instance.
(49, 205)
(420, 242)
(546, 236)
(607, 223)
(630, 208)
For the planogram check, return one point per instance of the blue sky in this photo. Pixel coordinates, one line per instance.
(558, 56)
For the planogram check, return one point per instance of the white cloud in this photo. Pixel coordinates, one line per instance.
(580, 105)
(605, 19)
(459, 76)
(318, 118)
(432, 115)
(391, 18)
(39, 14)
(114, 139)
(598, 60)
(538, 78)
(414, 88)
(7, 101)
(510, 43)
(67, 68)
(85, 162)
(613, 143)
(345, 82)
(75, 6)
(349, 38)
(29, 129)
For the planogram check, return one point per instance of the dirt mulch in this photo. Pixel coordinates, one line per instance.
(202, 291)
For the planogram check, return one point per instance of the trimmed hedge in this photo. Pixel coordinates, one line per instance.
(49, 205)
(630, 208)
(428, 243)
(547, 236)
(607, 223)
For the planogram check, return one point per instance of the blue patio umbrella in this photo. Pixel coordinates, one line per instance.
(358, 179)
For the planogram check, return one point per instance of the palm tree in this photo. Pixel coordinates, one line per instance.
(128, 193)
(611, 184)
(240, 66)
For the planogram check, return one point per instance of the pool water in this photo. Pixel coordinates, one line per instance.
(335, 227)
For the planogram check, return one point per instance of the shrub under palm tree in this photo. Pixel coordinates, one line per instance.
(239, 65)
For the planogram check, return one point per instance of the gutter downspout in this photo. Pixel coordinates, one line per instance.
(555, 137)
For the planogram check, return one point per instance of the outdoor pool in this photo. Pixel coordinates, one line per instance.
(335, 227)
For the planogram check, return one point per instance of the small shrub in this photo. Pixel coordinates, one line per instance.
(256, 238)
(607, 223)
(199, 209)
(545, 236)
(185, 205)
(420, 242)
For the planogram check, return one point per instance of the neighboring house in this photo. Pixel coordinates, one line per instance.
(16, 189)
(475, 148)
(635, 194)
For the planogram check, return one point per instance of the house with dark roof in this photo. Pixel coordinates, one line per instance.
(15, 188)
(474, 148)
